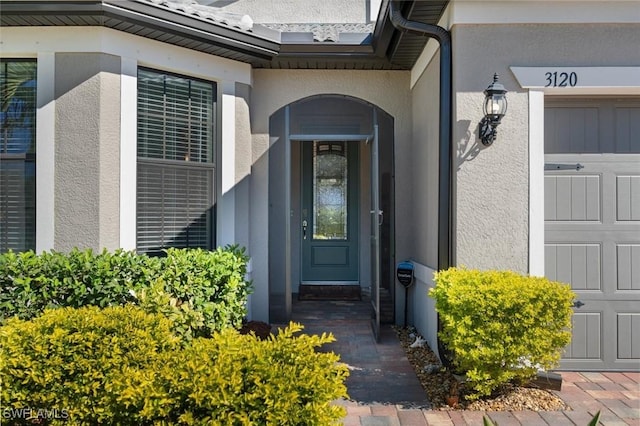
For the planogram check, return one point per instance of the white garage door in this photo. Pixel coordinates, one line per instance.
(592, 231)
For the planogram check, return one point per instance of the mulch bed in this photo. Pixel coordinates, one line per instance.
(262, 330)
(439, 383)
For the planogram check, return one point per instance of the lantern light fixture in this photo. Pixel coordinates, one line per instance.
(495, 107)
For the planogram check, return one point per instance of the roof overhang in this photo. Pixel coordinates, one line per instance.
(262, 47)
(148, 21)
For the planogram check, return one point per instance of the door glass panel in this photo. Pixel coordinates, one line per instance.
(330, 191)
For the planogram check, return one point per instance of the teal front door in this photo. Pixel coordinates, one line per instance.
(330, 215)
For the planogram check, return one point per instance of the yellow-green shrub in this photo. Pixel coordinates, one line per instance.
(501, 326)
(73, 359)
(235, 379)
(121, 365)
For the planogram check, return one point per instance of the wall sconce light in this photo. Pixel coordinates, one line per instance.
(495, 107)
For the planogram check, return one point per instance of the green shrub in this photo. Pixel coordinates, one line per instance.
(185, 321)
(31, 283)
(74, 359)
(121, 365)
(214, 282)
(501, 326)
(210, 282)
(239, 379)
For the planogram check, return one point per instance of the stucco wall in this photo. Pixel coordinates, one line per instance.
(87, 150)
(298, 11)
(273, 89)
(492, 183)
(425, 98)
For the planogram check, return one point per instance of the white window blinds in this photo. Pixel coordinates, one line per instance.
(17, 155)
(175, 161)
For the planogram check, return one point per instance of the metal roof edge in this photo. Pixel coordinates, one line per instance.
(261, 43)
(265, 45)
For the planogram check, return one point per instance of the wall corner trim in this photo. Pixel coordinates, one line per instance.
(536, 182)
(128, 152)
(45, 152)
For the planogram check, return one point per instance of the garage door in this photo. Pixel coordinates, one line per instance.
(592, 225)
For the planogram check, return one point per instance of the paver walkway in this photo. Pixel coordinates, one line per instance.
(385, 391)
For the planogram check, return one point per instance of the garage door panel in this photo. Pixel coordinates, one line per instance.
(628, 262)
(569, 198)
(627, 130)
(571, 130)
(628, 336)
(578, 264)
(628, 198)
(592, 226)
(586, 337)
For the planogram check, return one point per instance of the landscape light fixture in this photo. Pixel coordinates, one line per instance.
(495, 107)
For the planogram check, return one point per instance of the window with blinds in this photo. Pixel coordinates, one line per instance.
(17, 155)
(175, 162)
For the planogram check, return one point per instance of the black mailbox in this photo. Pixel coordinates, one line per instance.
(404, 272)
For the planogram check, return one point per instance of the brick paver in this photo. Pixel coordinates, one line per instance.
(380, 421)
(456, 418)
(617, 407)
(386, 392)
(595, 377)
(503, 418)
(635, 377)
(412, 416)
(438, 418)
(579, 417)
(384, 410)
(556, 418)
(529, 417)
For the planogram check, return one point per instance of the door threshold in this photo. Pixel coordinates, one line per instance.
(329, 283)
(329, 292)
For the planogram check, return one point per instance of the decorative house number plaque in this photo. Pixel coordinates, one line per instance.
(613, 80)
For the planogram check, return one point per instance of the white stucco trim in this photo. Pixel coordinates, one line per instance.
(425, 317)
(45, 151)
(595, 81)
(128, 152)
(536, 182)
(227, 166)
(148, 52)
(570, 81)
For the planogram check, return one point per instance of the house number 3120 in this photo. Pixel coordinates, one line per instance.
(561, 79)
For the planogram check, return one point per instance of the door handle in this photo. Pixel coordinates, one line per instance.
(578, 304)
(304, 229)
(380, 216)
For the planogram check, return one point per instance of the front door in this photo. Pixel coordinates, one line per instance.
(330, 216)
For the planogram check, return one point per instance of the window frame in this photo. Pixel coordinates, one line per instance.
(166, 164)
(28, 230)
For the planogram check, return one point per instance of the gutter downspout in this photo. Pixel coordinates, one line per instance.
(445, 160)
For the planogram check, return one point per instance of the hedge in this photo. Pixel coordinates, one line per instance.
(501, 326)
(212, 283)
(120, 365)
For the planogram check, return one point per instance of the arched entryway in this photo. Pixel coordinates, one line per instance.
(331, 195)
